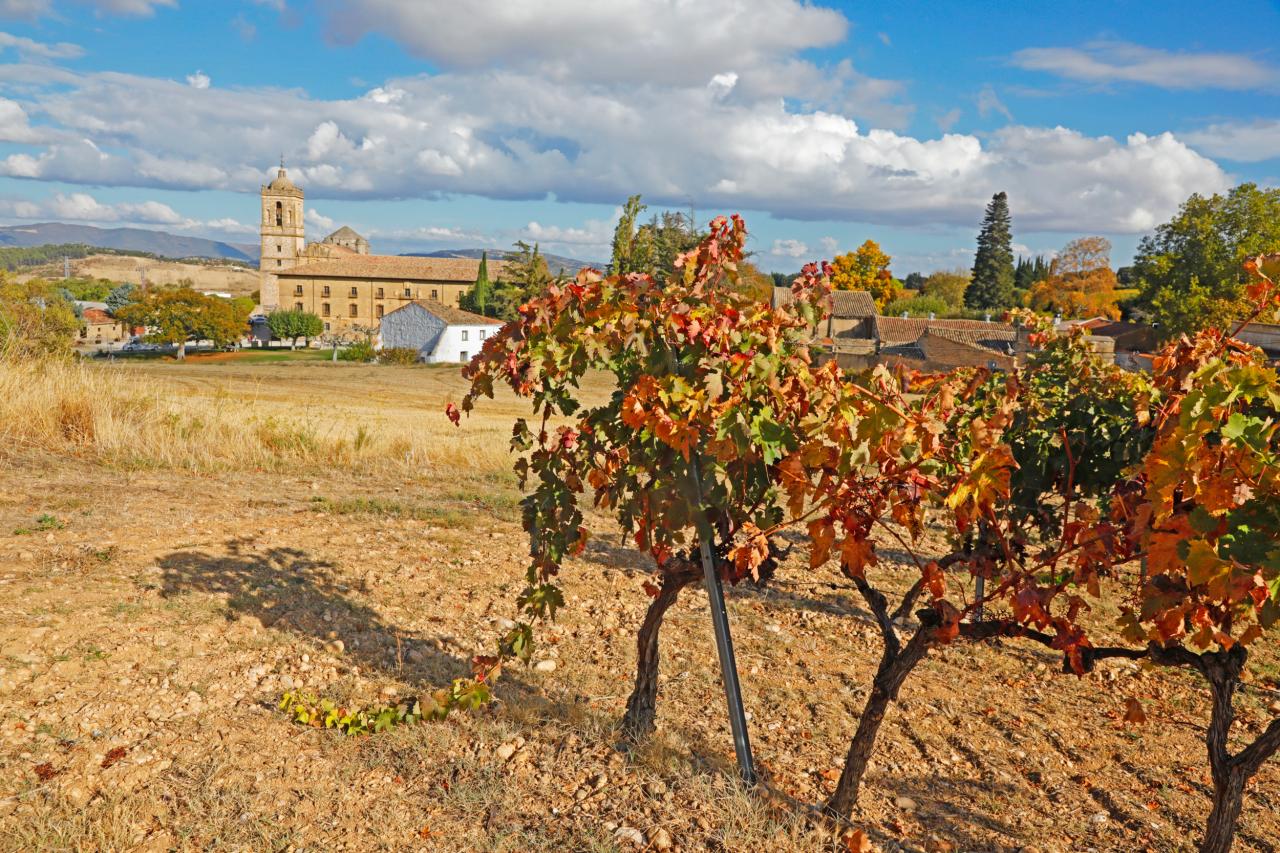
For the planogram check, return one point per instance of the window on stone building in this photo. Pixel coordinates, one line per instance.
(297, 290)
(482, 334)
(355, 311)
(279, 213)
(355, 292)
(324, 291)
(464, 334)
(434, 295)
(326, 327)
(297, 306)
(380, 294)
(324, 310)
(279, 263)
(377, 311)
(407, 293)
(462, 356)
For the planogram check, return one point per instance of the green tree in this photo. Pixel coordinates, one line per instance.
(480, 298)
(991, 284)
(1190, 270)
(948, 286)
(178, 315)
(913, 281)
(624, 237)
(35, 320)
(291, 324)
(651, 248)
(920, 306)
(120, 296)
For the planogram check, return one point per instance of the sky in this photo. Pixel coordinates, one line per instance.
(430, 124)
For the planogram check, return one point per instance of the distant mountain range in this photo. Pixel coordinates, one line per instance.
(555, 263)
(127, 239)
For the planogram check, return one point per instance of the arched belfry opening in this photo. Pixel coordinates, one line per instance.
(279, 214)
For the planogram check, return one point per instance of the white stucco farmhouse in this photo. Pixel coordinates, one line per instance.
(439, 332)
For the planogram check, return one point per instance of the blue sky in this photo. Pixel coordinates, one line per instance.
(434, 124)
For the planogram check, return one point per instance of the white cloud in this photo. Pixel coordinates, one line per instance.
(594, 237)
(989, 102)
(30, 49)
(829, 246)
(30, 10)
(947, 120)
(82, 207)
(789, 249)
(785, 137)
(14, 124)
(199, 80)
(1244, 142)
(137, 8)
(27, 10)
(666, 43)
(318, 219)
(1106, 61)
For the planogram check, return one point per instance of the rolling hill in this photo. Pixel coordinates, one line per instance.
(158, 243)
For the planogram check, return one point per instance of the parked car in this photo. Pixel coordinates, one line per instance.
(140, 346)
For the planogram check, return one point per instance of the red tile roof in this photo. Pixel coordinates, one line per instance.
(462, 270)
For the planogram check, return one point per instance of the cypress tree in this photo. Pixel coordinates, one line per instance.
(992, 281)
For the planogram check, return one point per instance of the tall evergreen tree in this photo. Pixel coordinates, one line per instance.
(480, 298)
(992, 284)
(624, 237)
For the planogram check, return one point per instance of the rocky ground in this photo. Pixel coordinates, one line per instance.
(150, 621)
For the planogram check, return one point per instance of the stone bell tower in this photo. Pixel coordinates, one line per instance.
(283, 234)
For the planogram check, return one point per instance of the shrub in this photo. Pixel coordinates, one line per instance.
(358, 351)
(398, 355)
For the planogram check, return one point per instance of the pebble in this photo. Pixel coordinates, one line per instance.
(632, 835)
(505, 751)
(1274, 707)
(26, 556)
(287, 682)
(546, 666)
(661, 840)
(1098, 818)
(905, 803)
(335, 647)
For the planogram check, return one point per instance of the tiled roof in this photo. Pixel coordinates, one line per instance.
(344, 233)
(992, 340)
(97, 315)
(905, 330)
(847, 304)
(452, 316)
(463, 270)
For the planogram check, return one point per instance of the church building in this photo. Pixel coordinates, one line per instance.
(337, 278)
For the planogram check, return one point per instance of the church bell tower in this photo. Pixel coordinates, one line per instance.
(283, 235)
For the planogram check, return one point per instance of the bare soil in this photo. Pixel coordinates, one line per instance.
(148, 631)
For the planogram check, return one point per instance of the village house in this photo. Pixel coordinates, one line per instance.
(438, 332)
(337, 278)
(99, 328)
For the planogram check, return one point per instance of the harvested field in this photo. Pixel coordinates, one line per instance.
(152, 613)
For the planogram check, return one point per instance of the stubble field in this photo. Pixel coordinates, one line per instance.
(153, 611)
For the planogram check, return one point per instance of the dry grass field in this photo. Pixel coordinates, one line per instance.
(181, 543)
(238, 280)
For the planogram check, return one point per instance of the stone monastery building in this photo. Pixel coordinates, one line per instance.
(337, 279)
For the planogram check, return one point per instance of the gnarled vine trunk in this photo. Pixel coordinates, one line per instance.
(638, 722)
(895, 665)
(1230, 772)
